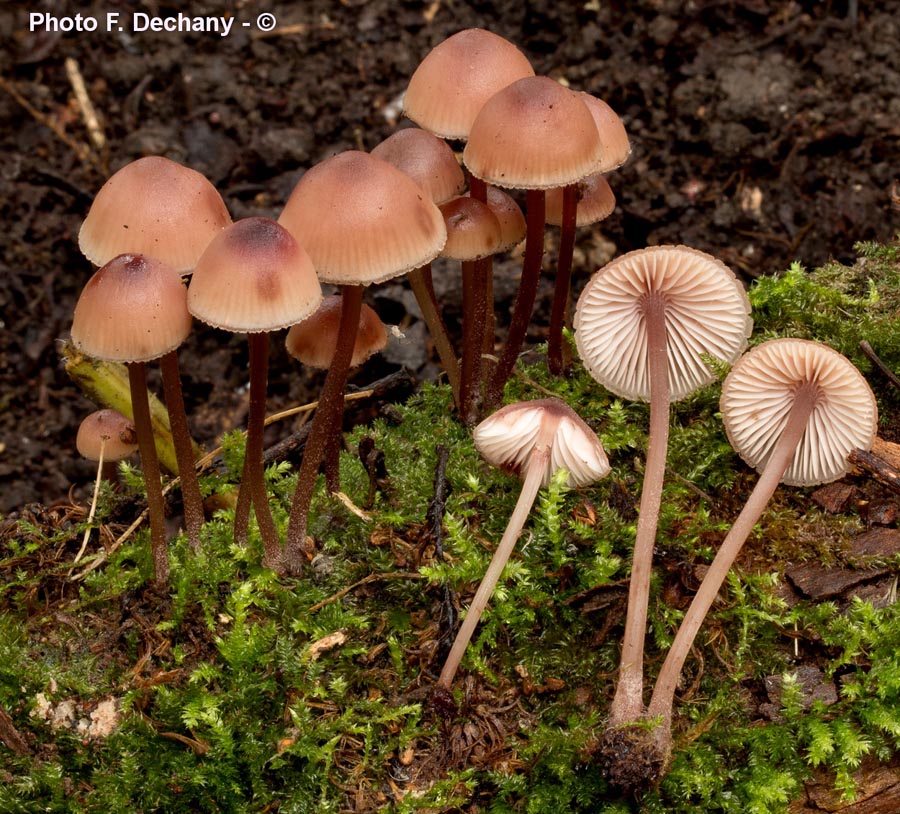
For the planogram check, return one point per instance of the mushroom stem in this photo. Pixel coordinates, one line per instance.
(628, 702)
(478, 191)
(536, 469)
(254, 469)
(93, 509)
(782, 454)
(475, 286)
(561, 298)
(422, 286)
(140, 408)
(528, 286)
(326, 422)
(184, 448)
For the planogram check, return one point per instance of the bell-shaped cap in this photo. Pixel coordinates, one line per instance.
(507, 439)
(616, 147)
(457, 77)
(254, 277)
(706, 309)
(533, 134)
(133, 309)
(362, 220)
(473, 230)
(426, 159)
(109, 430)
(759, 391)
(512, 221)
(314, 340)
(156, 207)
(596, 202)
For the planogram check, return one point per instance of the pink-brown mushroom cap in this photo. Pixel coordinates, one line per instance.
(457, 77)
(362, 220)
(108, 429)
(156, 207)
(253, 277)
(133, 309)
(533, 134)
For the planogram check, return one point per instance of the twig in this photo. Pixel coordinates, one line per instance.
(10, 736)
(364, 581)
(86, 106)
(877, 467)
(873, 357)
(81, 150)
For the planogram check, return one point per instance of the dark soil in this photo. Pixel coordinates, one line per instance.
(763, 132)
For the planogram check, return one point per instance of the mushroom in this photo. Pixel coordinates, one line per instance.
(104, 436)
(457, 77)
(512, 233)
(473, 234)
(583, 204)
(533, 439)
(362, 221)
(592, 195)
(313, 343)
(430, 162)
(134, 310)
(793, 410)
(643, 325)
(533, 135)
(156, 207)
(254, 278)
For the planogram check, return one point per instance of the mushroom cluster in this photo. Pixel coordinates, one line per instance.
(647, 327)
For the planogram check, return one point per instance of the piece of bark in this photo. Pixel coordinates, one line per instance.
(835, 498)
(877, 542)
(879, 512)
(10, 736)
(877, 792)
(818, 582)
(814, 686)
(882, 463)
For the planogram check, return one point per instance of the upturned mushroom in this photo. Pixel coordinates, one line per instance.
(255, 278)
(533, 439)
(643, 325)
(793, 410)
(134, 310)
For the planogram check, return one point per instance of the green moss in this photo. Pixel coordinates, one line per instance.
(242, 692)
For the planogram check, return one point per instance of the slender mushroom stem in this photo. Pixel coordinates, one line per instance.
(253, 460)
(536, 469)
(243, 505)
(326, 421)
(478, 191)
(140, 407)
(561, 297)
(628, 702)
(528, 286)
(785, 448)
(421, 283)
(184, 448)
(93, 509)
(474, 276)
